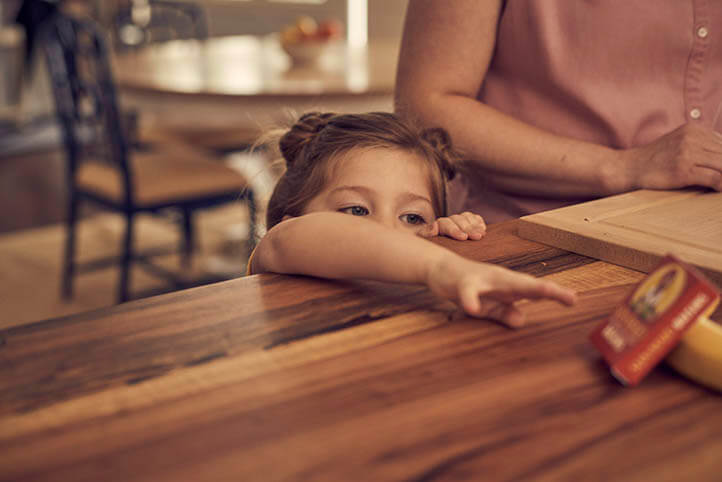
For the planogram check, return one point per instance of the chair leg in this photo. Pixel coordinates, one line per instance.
(188, 242)
(69, 258)
(126, 258)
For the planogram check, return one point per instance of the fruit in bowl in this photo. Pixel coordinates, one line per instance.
(306, 40)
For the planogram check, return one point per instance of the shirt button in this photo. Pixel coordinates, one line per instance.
(695, 113)
(702, 32)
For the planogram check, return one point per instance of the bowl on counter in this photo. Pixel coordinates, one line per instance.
(305, 53)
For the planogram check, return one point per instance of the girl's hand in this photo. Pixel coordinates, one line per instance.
(488, 291)
(460, 226)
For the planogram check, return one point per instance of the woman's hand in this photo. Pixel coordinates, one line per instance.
(459, 226)
(690, 155)
(488, 291)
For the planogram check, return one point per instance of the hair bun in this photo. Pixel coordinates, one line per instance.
(301, 134)
(440, 141)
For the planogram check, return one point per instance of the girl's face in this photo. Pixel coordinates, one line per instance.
(389, 186)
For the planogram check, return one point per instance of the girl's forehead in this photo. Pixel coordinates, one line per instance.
(377, 160)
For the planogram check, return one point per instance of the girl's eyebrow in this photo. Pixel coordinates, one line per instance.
(405, 197)
(362, 189)
(408, 197)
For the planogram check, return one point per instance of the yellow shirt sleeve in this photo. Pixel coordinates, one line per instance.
(250, 260)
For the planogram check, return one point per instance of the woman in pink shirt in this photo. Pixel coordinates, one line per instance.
(557, 102)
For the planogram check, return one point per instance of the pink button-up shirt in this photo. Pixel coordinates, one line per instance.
(616, 72)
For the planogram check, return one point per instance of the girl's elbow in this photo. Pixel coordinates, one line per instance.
(271, 251)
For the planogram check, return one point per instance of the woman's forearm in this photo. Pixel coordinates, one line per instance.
(516, 157)
(445, 55)
(339, 246)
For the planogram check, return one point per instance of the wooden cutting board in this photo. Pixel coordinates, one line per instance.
(636, 229)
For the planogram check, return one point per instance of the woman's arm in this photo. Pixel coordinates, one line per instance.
(339, 246)
(445, 55)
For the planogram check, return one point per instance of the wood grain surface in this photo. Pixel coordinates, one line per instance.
(290, 378)
(638, 228)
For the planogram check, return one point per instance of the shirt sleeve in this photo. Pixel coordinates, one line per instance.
(250, 261)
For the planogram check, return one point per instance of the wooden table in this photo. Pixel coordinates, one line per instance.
(248, 82)
(289, 378)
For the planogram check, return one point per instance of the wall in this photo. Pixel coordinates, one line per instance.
(386, 18)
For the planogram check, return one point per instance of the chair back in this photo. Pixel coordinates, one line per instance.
(85, 97)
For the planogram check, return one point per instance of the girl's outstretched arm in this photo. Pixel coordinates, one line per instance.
(340, 246)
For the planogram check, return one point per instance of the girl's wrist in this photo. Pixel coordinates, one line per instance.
(436, 264)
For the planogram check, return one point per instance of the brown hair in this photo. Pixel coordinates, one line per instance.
(317, 138)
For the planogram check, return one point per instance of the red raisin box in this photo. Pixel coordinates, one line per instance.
(653, 317)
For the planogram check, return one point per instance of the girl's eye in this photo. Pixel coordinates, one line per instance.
(355, 211)
(413, 219)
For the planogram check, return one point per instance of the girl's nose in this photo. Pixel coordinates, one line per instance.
(389, 220)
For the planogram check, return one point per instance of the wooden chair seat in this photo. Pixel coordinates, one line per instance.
(167, 175)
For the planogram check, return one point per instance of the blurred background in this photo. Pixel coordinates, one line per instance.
(144, 150)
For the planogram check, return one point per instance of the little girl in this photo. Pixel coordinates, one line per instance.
(359, 194)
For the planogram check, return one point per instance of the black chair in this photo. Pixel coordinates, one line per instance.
(148, 21)
(137, 23)
(101, 168)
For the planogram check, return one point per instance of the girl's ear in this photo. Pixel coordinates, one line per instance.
(286, 217)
